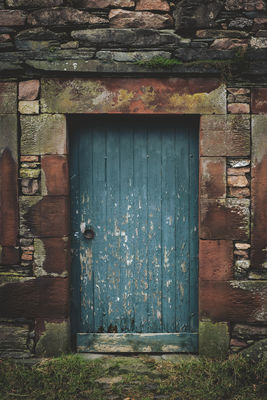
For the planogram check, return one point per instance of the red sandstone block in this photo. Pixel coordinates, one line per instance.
(259, 101)
(225, 135)
(27, 257)
(12, 18)
(239, 192)
(57, 257)
(138, 19)
(8, 200)
(224, 219)
(215, 260)
(212, 177)
(157, 5)
(56, 174)
(238, 171)
(36, 298)
(29, 158)
(9, 256)
(28, 90)
(232, 301)
(49, 217)
(237, 181)
(238, 108)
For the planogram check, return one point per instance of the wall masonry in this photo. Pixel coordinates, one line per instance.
(62, 57)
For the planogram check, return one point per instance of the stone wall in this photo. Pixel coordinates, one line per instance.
(192, 57)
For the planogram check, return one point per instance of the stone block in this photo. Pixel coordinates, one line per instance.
(29, 90)
(40, 34)
(259, 191)
(100, 4)
(33, 3)
(8, 98)
(51, 256)
(239, 193)
(35, 298)
(14, 340)
(233, 301)
(216, 33)
(225, 135)
(9, 255)
(132, 56)
(55, 175)
(259, 100)
(63, 17)
(12, 18)
(138, 96)
(225, 219)
(29, 107)
(137, 19)
(55, 340)
(44, 217)
(43, 134)
(156, 5)
(237, 181)
(212, 177)
(9, 134)
(215, 260)
(238, 108)
(194, 14)
(214, 339)
(229, 43)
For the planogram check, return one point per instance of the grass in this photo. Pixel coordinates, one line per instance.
(134, 378)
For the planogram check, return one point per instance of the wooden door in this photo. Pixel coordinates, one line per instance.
(134, 190)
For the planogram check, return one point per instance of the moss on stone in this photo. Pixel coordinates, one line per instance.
(214, 339)
(55, 340)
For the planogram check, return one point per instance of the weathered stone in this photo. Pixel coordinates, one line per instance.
(14, 338)
(237, 181)
(242, 246)
(29, 90)
(249, 331)
(55, 340)
(225, 135)
(238, 171)
(259, 191)
(44, 217)
(157, 5)
(240, 98)
(74, 44)
(12, 18)
(9, 255)
(29, 186)
(40, 34)
(259, 100)
(248, 5)
(239, 193)
(64, 16)
(125, 37)
(174, 95)
(215, 33)
(257, 351)
(215, 260)
(55, 177)
(259, 24)
(242, 265)
(8, 134)
(133, 56)
(237, 163)
(258, 43)
(29, 173)
(241, 253)
(240, 23)
(35, 298)
(238, 91)
(137, 19)
(225, 219)
(29, 107)
(194, 14)
(214, 339)
(262, 33)
(29, 158)
(51, 256)
(212, 177)
(8, 97)
(228, 44)
(5, 42)
(100, 4)
(237, 301)
(33, 3)
(238, 108)
(36, 45)
(38, 134)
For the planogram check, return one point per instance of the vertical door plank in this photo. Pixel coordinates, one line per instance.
(182, 229)
(193, 233)
(127, 222)
(113, 228)
(168, 229)
(140, 207)
(154, 228)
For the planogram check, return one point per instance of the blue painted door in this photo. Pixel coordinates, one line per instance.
(134, 191)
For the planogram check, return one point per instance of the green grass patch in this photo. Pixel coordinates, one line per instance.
(135, 378)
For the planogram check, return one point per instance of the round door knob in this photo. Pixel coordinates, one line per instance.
(89, 234)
